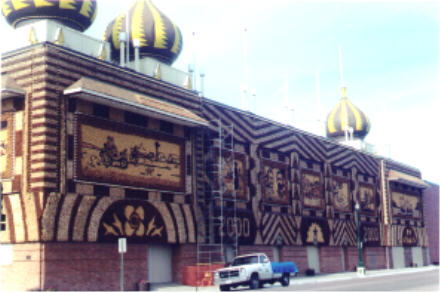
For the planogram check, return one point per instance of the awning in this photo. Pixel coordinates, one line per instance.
(114, 96)
(10, 89)
(404, 178)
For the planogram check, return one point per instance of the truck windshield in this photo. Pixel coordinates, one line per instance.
(245, 261)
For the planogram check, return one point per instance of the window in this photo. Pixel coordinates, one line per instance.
(72, 105)
(136, 119)
(99, 190)
(263, 259)
(245, 261)
(136, 194)
(188, 165)
(166, 127)
(281, 157)
(266, 154)
(70, 147)
(100, 110)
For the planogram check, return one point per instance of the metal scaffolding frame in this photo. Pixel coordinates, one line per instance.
(218, 143)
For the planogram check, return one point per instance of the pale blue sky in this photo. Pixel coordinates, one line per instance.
(390, 58)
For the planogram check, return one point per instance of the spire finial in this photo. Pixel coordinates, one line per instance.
(344, 92)
(341, 71)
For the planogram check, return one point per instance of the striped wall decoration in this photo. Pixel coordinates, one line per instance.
(344, 232)
(278, 225)
(77, 218)
(257, 130)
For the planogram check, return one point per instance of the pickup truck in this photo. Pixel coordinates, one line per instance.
(254, 270)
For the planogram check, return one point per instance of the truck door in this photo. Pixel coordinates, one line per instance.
(266, 267)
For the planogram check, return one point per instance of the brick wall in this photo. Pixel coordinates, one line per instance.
(73, 266)
(88, 266)
(375, 258)
(183, 255)
(330, 259)
(296, 254)
(244, 249)
(431, 208)
(351, 258)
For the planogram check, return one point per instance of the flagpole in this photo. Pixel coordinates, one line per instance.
(341, 69)
(127, 26)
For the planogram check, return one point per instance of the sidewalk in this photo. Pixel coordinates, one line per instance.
(320, 278)
(350, 275)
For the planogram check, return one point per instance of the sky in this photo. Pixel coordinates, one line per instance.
(390, 57)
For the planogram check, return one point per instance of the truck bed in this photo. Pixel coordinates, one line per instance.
(284, 267)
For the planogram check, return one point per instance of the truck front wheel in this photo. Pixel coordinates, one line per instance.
(285, 279)
(254, 283)
(224, 288)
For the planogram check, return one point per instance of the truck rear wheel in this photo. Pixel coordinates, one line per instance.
(254, 283)
(224, 288)
(285, 279)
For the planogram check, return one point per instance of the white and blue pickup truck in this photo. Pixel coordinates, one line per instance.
(254, 270)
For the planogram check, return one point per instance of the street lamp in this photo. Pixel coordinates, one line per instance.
(361, 268)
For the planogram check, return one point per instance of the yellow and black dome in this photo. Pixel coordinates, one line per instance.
(159, 37)
(346, 114)
(77, 14)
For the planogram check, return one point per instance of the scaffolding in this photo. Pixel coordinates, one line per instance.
(217, 220)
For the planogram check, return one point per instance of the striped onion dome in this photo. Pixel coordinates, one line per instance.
(158, 36)
(346, 114)
(76, 14)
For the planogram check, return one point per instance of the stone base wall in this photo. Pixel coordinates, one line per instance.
(183, 256)
(375, 258)
(245, 249)
(330, 259)
(351, 257)
(296, 254)
(24, 273)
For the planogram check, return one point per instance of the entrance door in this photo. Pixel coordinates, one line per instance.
(230, 253)
(417, 256)
(407, 254)
(398, 257)
(276, 254)
(345, 262)
(313, 258)
(160, 264)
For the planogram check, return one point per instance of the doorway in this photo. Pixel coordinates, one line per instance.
(160, 268)
(313, 258)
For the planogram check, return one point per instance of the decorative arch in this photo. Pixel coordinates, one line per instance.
(138, 221)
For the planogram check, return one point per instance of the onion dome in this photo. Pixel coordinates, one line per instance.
(76, 14)
(158, 36)
(344, 115)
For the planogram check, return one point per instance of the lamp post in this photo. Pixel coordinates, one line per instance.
(361, 268)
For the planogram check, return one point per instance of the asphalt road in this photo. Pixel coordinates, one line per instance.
(418, 281)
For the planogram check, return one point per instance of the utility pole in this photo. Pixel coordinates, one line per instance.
(122, 248)
(361, 268)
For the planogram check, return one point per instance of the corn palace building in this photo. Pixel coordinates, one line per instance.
(103, 139)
